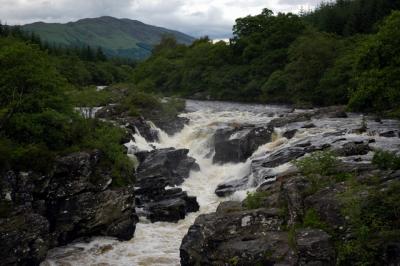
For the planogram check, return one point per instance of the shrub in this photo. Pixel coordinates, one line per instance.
(374, 218)
(255, 200)
(318, 163)
(386, 160)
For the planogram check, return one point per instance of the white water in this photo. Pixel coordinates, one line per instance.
(158, 243)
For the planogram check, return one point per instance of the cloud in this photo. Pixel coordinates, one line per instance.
(195, 17)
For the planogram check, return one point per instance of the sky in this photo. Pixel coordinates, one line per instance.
(214, 18)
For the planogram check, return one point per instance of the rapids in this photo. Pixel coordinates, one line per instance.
(158, 243)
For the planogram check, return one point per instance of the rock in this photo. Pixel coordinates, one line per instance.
(233, 145)
(310, 125)
(290, 118)
(107, 213)
(353, 148)
(314, 247)
(228, 188)
(290, 133)
(173, 165)
(142, 127)
(240, 237)
(76, 200)
(283, 156)
(327, 204)
(172, 210)
(158, 170)
(388, 134)
(170, 125)
(24, 238)
(292, 192)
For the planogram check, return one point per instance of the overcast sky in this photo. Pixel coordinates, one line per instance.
(195, 17)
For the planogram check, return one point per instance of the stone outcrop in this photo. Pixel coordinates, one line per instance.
(233, 145)
(158, 173)
(76, 200)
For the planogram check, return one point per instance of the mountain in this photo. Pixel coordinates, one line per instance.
(117, 37)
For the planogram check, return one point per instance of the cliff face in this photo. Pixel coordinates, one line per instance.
(76, 200)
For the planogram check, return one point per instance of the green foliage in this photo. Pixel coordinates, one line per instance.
(386, 160)
(255, 200)
(37, 119)
(349, 17)
(320, 170)
(378, 76)
(107, 139)
(318, 163)
(313, 220)
(373, 215)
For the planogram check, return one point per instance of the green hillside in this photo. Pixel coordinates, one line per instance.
(118, 37)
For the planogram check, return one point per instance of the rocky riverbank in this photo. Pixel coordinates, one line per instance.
(300, 213)
(76, 200)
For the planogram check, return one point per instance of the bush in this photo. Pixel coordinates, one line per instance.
(386, 160)
(374, 218)
(107, 138)
(255, 200)
(318, 163)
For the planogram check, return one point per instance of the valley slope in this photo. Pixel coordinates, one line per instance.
(117, 37)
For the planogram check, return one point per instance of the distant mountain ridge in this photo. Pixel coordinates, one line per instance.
(117, 37)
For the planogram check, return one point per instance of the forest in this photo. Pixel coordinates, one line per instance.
(343, 53)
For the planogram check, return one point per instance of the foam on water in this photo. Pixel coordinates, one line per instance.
(158, 243)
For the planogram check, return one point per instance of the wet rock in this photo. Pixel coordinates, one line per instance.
(170, 125)
(107, 213)
(230, 187)
(171, 164)
(290, 118)
(388, 134)
(240, 237)
(158, 170)
(283, 156)
(173, 209)
(310, 125)
(142, 127)
(290, 133)
(314, 247)
(233, 145)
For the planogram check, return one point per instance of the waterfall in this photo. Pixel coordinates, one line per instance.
(158, 243)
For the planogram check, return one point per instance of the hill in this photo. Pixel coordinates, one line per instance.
(117, 37)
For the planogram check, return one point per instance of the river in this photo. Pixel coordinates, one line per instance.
(158, 243)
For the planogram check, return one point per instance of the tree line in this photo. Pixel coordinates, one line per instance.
(343, 52)
(81, 65)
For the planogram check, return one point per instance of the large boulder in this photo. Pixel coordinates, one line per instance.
(158, 173)
(314, 247)
(236, 236)
(233, 145)
(76, 200)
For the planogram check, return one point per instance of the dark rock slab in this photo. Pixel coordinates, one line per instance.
(233, 235)
(233, 145)
(314, 247)
(158, 170)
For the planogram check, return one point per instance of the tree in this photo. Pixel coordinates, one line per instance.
(378, 70)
